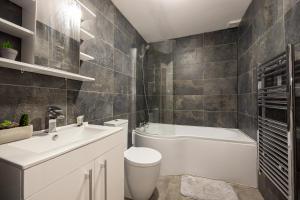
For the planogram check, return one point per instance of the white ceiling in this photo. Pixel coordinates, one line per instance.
(158, 20)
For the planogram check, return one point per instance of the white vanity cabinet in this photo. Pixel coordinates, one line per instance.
(75, 186)
(94, 171)
(109, 170)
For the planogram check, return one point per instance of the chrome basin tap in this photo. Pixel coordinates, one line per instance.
(54, 113)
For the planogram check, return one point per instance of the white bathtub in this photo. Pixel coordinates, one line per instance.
(216, 153)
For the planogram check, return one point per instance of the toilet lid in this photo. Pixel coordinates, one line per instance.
(142, 157)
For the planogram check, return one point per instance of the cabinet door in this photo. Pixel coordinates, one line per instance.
(109, 175)
(78, 185)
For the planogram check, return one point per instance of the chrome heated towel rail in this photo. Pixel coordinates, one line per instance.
(275, 100)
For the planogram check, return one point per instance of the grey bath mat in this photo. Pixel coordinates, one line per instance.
(206, 189)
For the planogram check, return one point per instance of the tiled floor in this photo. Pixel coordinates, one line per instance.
(168, 188)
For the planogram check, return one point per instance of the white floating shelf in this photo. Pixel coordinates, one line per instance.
(14, 29)
(85, 57)
(11, 64)
(86, 13)
(85, 35)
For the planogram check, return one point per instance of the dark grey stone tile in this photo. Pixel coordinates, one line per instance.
(104, 79)
(226, 36)
(167, 102)
(121, 104)
(221, 69)
(188, 102)
(247, 20)
(248, 125)
(272, 44)
(162, 102)
(193, 118)
(106, 7)
(160, 53)
(42, 61)
(267, 12)
(247, 104)
(190, 87)
(34, 101)
(101, 27)
(245, 40)
(268, 189)
(122, 63)
(100, 121)
(190, 42)
(121, 83)
(153, 102)
(220, 103)
(92, 105)
(55, 49)
(101, 51)
(15, 77)
(42, 31)
(188, 72)
(123, 24)
(140, 116)
(166, 117)
(247, 62)
(288, 5)
(220, 119)
(186, 57)
(121, 41)
(222, 86)
(219, 53)
(140, 87)
(292, 27)
(140, 103)
(254, 81)
(245, 83)
(118, 60)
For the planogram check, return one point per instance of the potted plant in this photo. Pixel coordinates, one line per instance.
(7, 51)
(12, 131)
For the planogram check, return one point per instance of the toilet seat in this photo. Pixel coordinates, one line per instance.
(142, 157)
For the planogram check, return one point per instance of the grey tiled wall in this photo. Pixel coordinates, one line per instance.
(266, 28)
(110, 96)
(261, 37)
(193, 80)
(205, 84)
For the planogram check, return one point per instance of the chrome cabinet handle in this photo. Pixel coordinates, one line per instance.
(104, 166)
(89, 175)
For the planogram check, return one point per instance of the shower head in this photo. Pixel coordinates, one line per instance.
(144, 50)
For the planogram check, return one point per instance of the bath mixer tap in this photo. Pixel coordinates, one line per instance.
(143, 125)
(54, 113)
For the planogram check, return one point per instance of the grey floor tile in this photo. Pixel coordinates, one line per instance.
(168, 188)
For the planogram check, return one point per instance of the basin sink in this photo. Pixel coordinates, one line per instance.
(63, 137)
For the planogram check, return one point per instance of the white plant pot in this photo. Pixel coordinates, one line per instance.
(8, 53)
(15, 134)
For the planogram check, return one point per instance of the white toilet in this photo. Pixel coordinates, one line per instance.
(142, 167)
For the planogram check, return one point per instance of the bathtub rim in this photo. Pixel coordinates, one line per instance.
(176, 137)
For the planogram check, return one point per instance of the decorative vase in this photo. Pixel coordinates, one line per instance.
(15, 134)
(8, 53)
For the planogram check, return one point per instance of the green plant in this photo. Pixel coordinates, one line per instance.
(7, 124)
(7, 45)
(24, 120)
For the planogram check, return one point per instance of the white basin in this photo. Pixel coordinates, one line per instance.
(42, 147)
(61, 138)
